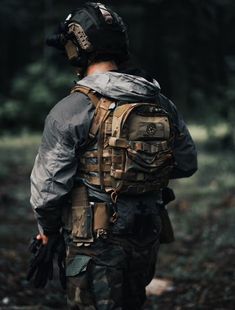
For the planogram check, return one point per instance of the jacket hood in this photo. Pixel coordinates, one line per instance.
(122, 86)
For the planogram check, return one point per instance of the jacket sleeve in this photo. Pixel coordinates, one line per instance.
(52, 175)
(52, 178)
(184, 149)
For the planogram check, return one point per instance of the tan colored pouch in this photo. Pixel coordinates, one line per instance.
(82, 216)
(101, 216)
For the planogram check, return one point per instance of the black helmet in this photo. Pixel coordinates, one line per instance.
(91, 31)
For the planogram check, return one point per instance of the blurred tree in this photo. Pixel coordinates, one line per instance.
(188, 45)
(34, 92)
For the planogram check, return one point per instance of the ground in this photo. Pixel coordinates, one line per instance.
(195, 272)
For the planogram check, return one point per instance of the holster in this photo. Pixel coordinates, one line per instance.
(89, 219)
(167, 233)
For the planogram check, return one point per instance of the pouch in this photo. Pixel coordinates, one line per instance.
(82, 216)
(167, 233)
(101, 216)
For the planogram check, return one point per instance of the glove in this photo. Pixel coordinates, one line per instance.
(41, 263)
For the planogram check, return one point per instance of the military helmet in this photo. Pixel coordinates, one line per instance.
(90, 31)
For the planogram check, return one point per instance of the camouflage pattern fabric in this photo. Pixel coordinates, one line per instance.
(110, 273)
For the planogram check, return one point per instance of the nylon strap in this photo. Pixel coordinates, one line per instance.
(102, 107)
(87, 91)
(93, 154)
(138, 145)
(95, 168)
(101, 113)
(95, 180)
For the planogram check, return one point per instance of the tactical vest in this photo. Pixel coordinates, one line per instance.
(134, 146)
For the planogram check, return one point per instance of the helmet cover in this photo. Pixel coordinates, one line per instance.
(92, 30)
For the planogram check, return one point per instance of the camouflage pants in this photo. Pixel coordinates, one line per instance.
(110, 274)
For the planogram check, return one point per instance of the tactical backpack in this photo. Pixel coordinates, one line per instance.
(134, 146)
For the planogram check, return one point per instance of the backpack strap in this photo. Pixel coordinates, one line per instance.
(102, 107)
(102, 112)
(88, 92)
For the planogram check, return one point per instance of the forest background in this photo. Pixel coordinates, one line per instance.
(189, 47)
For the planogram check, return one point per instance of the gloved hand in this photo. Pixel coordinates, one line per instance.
(41, 263)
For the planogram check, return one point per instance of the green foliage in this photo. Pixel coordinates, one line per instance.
(34, 92)
(17, 155)
(187, 45)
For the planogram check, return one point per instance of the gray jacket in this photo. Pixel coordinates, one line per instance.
(65, 135)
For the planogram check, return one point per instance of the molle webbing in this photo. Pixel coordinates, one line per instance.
(82, 218)
(133, 146)
(88, 92)
(102, 108)
(101, 113)
(137, 145)
(88, 218)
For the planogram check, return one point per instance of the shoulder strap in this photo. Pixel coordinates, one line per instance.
(88, 92)
(102, 107)
(102, 112)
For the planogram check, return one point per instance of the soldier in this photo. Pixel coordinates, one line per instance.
(108, 151)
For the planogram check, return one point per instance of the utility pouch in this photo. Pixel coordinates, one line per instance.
(167, 233)
(82, 216)
(89, 219)
(101, 216)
